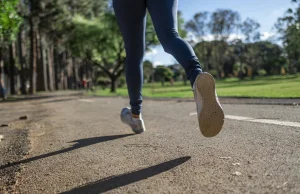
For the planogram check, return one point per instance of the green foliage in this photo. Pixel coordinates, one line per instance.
(198, 25)
(99, 41)
(265, 86)
(86, 8)
(223, 23)
(163, 73)
(262, 72)
(148, 70)
(220, 55)
(289, 28)
(250, 29)
(181, 30)
(9, 20)
(122, 81)
(151, 37)
(257, 55)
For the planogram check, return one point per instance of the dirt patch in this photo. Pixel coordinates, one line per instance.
(14, 145)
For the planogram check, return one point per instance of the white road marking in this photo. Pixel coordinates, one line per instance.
(86, 100)
(266, 121)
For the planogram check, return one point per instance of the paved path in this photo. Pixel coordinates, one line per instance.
(79, 145)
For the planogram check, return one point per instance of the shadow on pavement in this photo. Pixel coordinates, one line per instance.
(59, 100)
(11, 99)
(114, 182)
(27, 98)
(78, 144)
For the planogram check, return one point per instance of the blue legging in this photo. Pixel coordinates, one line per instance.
(131, 16)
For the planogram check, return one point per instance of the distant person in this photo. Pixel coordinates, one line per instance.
(131, 16)
(84, 83)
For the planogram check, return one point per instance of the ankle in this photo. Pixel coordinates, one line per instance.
(134, 116)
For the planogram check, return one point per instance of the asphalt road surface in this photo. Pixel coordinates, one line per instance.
(79, 145)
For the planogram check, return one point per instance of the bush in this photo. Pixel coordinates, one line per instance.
(262, 72)
(213, 72)
(298, 66)
(122, 81)
(103, 82)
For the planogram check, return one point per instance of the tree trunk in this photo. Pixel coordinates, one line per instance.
(163, 83)
(69, 71)
(291, 66)
(113, 85)
(56, 68)
(44, 63)
(12, 68)
(203, 53)
(75, 73)
(61, 70)
(216, 61)
(51, 76)
(41, 69)
(22, 61)
(2, 76)
(185, 80)
(32, 57)
(64, 75)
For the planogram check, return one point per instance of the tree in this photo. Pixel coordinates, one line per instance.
(183, 75)
(48, 25)
(151, 37)
(22, 60)
(205, 52)
(32, 17)
(87, 8)
(223, 23)
(240, 50)
(250, 28)
(198, 26)
(289, 28)
(9, 23)
(148, 70)
(103, 44)
(271, 57)
(162, 74)
(181, 30)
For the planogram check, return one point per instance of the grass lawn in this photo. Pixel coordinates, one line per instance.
(268, 87)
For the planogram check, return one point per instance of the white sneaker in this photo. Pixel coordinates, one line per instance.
(209, 110)
(137, 125)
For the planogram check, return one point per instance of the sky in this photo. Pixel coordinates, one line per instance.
(265, 12)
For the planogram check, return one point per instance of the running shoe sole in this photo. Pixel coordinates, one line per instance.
(211, 117)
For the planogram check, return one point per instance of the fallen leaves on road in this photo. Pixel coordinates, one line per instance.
(1, 137)
(225, 158)
(236, 173)
(23, 118)
(86, 100)
(236, 164)
(283, 185)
